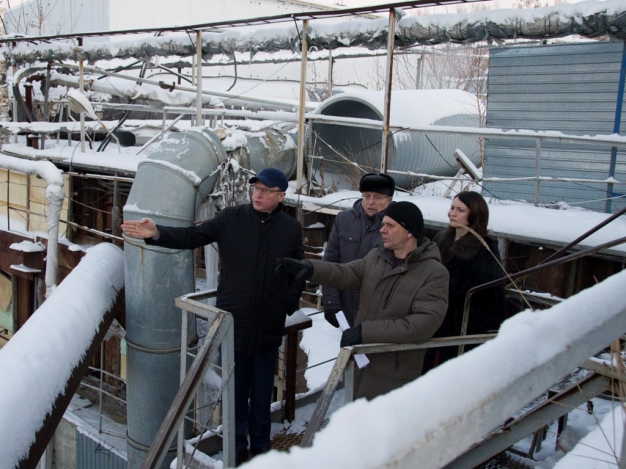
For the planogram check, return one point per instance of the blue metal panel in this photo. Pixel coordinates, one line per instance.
(91, 454)
(572, 88)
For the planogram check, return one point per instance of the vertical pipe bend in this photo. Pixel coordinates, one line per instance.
(169, 188)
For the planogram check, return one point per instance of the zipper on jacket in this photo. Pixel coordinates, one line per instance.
(390, 292)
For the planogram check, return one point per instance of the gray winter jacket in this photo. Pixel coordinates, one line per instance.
(353, 235)
(402, 304)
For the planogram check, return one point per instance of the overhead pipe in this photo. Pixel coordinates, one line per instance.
(55, 194)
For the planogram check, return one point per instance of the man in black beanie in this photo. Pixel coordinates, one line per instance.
(355, 233)
(404, 297)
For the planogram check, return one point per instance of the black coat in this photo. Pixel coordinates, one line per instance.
(249, 242)
(353, 235)
(469, 264)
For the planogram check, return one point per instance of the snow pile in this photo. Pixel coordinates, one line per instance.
(37, 362)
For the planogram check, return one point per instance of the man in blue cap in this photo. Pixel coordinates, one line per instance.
(250, 239)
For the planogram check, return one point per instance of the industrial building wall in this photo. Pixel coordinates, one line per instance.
(37, 18)
(158, 13)
(572, 88)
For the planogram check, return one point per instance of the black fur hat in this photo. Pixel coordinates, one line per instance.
(378, 182)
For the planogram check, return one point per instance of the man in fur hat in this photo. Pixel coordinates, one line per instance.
(355, 233)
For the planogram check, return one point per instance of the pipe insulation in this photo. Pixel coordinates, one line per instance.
(55, 194)
(588, 19)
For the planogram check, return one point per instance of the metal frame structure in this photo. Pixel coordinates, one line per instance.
(344, 367)
(219, 336)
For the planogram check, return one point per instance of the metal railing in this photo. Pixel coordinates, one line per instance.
(220, 335)
(555, 259)
(344, 367)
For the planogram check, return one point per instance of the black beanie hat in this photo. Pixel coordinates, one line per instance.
(380, 183)
(408, 215)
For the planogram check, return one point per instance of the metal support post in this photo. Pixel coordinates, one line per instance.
(81, 87)
(391, 34)
(301, 108)
(199, 78)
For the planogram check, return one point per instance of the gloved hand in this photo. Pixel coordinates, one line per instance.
(301, 269)
(351, 336)
(329, 315)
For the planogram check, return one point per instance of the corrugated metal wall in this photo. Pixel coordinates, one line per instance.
(91, 454)
(572, 88)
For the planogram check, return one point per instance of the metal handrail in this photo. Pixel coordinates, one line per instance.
(556, 260)
(344, 365)
(220, 334)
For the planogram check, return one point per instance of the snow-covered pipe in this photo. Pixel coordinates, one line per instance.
(40, 358)
(55, 194)
(587, 19)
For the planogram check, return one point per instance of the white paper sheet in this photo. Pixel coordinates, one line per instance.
(360, 358)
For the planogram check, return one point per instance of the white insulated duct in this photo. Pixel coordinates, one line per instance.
(55, 194)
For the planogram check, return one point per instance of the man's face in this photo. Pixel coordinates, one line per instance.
(374, 202)
(266, 199)
(394, 235)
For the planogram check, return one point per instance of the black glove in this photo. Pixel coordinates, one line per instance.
(329, 315)
(302, 270)
(351, 336)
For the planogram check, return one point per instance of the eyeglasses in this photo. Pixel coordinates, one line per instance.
(375, 198)
(264, 190)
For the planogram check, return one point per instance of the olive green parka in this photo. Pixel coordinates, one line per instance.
(402, 304)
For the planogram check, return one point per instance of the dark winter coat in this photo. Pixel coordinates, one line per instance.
(250, 242)
(402, 304)
(469, 264)
(353, 235)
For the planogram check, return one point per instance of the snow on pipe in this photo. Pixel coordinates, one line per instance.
(55, 196)
(588, 19)
(38, 361)
(431, 421)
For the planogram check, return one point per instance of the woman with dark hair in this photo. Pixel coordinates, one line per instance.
(470, 264)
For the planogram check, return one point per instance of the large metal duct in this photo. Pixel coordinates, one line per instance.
(409, 150)
(169, 188)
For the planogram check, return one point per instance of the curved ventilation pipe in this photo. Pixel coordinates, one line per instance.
(55, 196)
(169, 187)
(409, 150)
